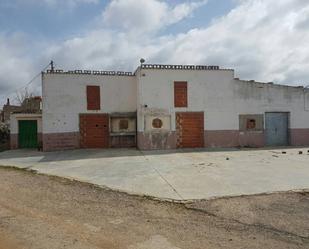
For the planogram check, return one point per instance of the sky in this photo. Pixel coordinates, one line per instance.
(264, 40)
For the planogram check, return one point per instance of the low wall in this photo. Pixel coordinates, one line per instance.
(299, 137)
(234, 138)
(156, 140)
(61, 141)
(167, 140)
(219, 138)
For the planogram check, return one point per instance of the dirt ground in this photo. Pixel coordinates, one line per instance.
(39, 212)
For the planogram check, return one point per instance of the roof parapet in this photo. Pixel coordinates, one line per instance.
(271, 84)
(181, 67)
(143, 66)
(94, 72)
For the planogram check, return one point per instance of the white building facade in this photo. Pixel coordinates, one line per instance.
(169, 107)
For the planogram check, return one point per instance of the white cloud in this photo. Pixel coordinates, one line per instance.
(183, 10)
(143, 16)
(261, 39)
(15, 68)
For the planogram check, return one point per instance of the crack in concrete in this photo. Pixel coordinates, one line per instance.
(163, 178)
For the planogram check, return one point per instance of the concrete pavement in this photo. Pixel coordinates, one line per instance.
(178, 175)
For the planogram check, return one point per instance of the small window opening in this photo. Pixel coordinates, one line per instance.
(157, 123)
(123, 124)
(251, 124)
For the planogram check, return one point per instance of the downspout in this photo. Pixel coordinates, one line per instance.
(306, 91)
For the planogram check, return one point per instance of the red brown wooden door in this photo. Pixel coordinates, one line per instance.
(190, 129)
(94, 130)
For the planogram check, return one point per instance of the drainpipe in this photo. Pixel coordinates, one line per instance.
(306, 90)
(142, 61)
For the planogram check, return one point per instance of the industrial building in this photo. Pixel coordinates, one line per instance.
(165, 107)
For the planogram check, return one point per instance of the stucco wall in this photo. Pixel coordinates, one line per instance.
(64, 98)
(222, 99)
(207, 91)
(151, 92)
(258, 98)
(16, 117)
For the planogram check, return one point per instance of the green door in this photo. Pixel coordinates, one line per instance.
(28, 134)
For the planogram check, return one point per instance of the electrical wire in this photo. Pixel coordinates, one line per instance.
(29, 83)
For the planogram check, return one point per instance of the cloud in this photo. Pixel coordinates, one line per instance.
(263, 40)
(145, 16)
(123, 42)
(15, 68)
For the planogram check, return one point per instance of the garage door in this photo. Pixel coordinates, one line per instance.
(94, 130)
(277, 128)
(27, 134)
(190, 129)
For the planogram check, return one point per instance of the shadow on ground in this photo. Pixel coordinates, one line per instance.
(80, 154)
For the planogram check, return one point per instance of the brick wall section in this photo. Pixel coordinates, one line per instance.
(14, 141)
(93, 98)
(60, 141)
(40, 138)
(180, 94)
(234, 138)
(299, 137)
(94, 130)
(190, 129)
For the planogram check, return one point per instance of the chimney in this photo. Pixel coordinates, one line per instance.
(8, 101)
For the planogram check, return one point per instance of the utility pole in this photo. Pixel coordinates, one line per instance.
(52, 66)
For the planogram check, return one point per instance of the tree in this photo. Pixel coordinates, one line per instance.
(23, 95)
(28, 102)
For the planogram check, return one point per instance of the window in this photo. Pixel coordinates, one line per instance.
(93, 98)
(123, 124)
(157, 123)
(180, 94)
(251, 124)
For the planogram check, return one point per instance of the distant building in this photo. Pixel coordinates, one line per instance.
(163, 107)
(29, 105)
(7, 110)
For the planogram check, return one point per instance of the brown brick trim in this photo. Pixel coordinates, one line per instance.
(234, 138)
(60, 141)
(190, 129)
(93, 98)
(94, 130)
(299, 137)
(14, 141)
(180, 94)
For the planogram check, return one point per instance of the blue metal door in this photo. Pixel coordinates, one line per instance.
(277, 128)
